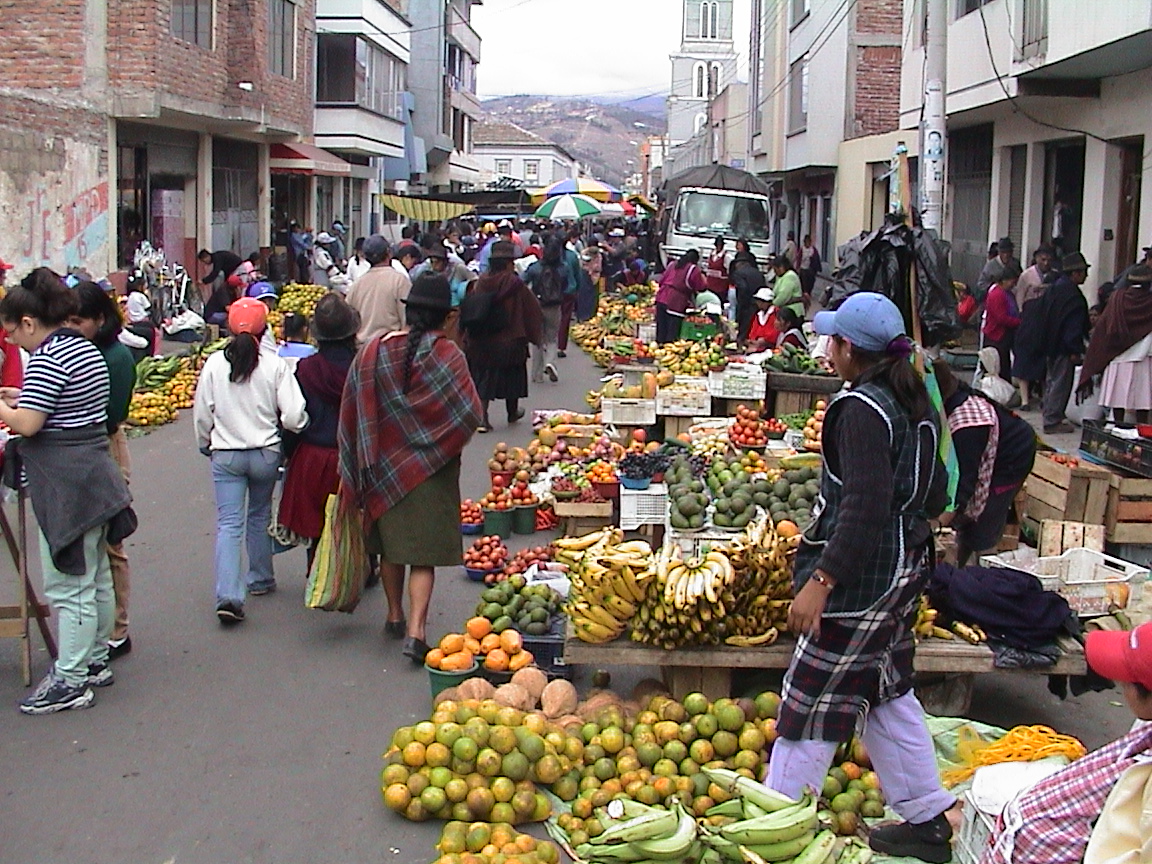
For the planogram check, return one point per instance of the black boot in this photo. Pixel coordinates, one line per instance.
(485, 423)
(929, 841)
(514, 410)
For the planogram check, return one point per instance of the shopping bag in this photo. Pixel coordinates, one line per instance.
(340, 567)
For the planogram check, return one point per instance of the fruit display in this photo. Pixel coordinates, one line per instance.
(761, 556)
(928, 625)
(736, 492)
(508, 461)
(499, 497)
(150, 409)
(522, 496)
(486, 554)
(796, 421)
(814, 428)
(792, 498)
(152, 373)
(471, 513)
(602, 472)
(524, 559)
(687, 496)
(642, 465)
(748, 430)
(300, 298)
(454, 653)
(514, 603)
(775, 428)
(487, 843)
(646, 389)
(795, 361)
(504, 651)
(609, 578)
(1062, 459)
(690, 358)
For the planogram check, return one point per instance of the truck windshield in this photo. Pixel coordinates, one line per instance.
(714, 213)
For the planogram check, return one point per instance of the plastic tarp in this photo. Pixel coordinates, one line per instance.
(881, 262)
(714, 177)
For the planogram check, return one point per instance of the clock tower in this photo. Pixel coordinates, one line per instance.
(704, 65)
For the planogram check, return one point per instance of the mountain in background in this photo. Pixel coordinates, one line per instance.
(605, 136)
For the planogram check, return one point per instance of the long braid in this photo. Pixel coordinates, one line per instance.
(415, 334)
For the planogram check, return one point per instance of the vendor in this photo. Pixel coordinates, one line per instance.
(1120, 350)
(786, 288)
(791, 332)
(708, 303)
(860, 570)
(763, 329)
(995, 450)
(1093, 810)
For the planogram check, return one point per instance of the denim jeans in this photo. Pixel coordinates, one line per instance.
(85, 608)
(236, 474)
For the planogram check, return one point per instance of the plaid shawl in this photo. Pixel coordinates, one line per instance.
(977, 411)
(854, 661)
(390, 441)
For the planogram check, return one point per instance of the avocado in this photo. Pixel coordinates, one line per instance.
(723, 505)
(688, 506)
(721, 520)
(696, 522)
(536, 629)
(742, 520)
(677, 521)
(760, 499)
(501, 624)
(782, 489)
(492, 611)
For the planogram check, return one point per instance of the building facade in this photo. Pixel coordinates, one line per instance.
(505, 152)
(1048, 124)
(704, 65)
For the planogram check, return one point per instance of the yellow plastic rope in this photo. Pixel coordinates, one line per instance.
(1021, 744)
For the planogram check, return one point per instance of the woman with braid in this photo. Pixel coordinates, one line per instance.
(409, 409)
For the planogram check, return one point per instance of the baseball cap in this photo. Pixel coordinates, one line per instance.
(765, 294)
(260, 290)
(247, 315)
(1122, 655)
(869, 321)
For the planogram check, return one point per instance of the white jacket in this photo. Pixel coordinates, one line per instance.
(248, 415)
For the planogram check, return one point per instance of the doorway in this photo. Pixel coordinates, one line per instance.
(1128, 219)
(1063, 194)
(970, 179)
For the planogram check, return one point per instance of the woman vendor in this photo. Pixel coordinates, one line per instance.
(1120, 350)
(787, 289)
(995, 450)
(860, 569)
(763, 326)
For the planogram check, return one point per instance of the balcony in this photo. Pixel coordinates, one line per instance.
(351, 128)
(1080, 44)
(461, 32)
(462, 98)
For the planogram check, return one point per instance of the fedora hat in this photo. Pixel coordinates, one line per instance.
(502, 250)
(334, 320)
(1074, 261)
(430, 291)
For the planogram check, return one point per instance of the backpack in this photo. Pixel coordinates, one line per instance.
(481, 315)
(548, 285)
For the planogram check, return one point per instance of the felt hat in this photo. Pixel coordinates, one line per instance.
(502, 250)
(334, 320)
(1074, 261)
(430, 291)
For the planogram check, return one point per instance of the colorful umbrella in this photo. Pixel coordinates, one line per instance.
(579, 186)
(568, 207)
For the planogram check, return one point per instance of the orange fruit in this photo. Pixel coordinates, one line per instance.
(787, 529)
(434, 658)
(511, 641)
(478, 627)
(452, 643)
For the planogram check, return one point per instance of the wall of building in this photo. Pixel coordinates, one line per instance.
(859, 188)
(827, 88)
(874, 68)
(554, 165)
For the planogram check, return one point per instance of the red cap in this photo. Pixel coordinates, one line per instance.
(234, 281)
(4, 265)
(1122, 655)
(247, 315)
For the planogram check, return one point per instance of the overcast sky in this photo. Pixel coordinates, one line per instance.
(584, 47)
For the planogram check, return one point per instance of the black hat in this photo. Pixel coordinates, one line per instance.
(409, 249)
(375, 249)
(436, 250)
(430, 291)
(1005, 243)
(1141, 274)
(502, 250)
(334, 320)
(1074, 261)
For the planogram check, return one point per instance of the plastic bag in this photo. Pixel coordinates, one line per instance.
(1085, 409)
(340, 567)
(991, 384)
(188, 320)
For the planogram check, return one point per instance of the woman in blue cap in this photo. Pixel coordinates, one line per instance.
(860, 568)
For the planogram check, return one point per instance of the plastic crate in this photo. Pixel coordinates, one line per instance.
(698, 542)
(548, 650)
(739, 381)
(646, 332)
(695, 401)
(694, 332)
(975, 833)
(1081, 576)
(1128, 454)
(649, 507)
(628, 412)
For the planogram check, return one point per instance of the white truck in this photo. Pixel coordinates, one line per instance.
(702, 204)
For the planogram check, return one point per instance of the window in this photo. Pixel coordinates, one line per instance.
(963, 7)
(700, 81)
(282, 37)
(709, 214)
(710, 20)
(1035, 41)
(713, 80)
(351, 70)
(798, 96)
(800, 10)
(504, 167)
(531, 170)
(192, 21)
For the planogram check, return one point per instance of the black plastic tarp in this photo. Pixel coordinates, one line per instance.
(880, 261)
(713, 177)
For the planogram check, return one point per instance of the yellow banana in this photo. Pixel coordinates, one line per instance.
(621, 609)
(591, 631)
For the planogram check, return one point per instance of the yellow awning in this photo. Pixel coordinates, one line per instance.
(424, 209)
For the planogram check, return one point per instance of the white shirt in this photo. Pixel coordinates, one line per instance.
(357, 267)
(248, 415)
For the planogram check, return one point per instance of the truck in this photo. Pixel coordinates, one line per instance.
(701, 204)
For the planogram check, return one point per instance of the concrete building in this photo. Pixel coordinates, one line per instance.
(653, 150)
(505, 150)
(723, 139)
(442, 80)
(704, 65)
(1048, 119)
(820, 74)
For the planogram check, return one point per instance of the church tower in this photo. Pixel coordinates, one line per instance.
(704, 65)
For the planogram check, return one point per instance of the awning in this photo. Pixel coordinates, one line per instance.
(424, 209)
(300, 158)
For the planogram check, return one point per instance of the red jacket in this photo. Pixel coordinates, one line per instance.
(678, 286)
(766, 331)
(1000, 314)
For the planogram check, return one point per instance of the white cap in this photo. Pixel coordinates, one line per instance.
(765, 294)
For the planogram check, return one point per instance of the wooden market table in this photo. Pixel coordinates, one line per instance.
(789, 393)
(948, 667)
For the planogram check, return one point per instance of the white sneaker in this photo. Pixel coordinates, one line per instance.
(550, 371)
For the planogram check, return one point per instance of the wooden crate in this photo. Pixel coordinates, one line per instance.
(1129, 512)
(1056, 538)
(1065, 493)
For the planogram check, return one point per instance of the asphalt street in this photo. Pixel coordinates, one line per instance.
(262, 743)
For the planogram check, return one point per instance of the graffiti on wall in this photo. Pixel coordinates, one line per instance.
(86, 225)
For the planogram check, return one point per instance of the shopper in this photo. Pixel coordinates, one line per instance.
(994, 450)
(409, 410)
(98, 320)
(1120, 350)
(787, 289)
(357, 265)
(995, 266)
(548, 281)
(808, 268)
(573, 272)
(717, 276)
(379, 294)
(681, 282)
(859, 572)
(78, 493)
(245, 396)
(1063, 314)
(323, 262)
(1002, 317)
(591, 280)
(297, 335)
(1035, 279)
(499, 358)
(221, 264)
(791, 250)
(747, 280)
(312, 473)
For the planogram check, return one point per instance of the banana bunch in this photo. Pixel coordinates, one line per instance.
(609, 580)
(973, 633)
(689, 601)
(651, 835)
(926, 626)
(152, 373)
(687, 581)
(763, 563)
(592, 399)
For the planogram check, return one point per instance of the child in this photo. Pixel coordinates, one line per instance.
(790, 332)
(296, 345)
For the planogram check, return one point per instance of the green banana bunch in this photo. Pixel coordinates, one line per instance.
(768, 800)
(776, 827)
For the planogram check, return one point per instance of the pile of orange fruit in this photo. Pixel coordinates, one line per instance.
(602, 472)
(748, 428)
(501, 652)
(470, 512)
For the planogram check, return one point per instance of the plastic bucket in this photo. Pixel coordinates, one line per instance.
(524, 519)
(498, 522)
(439, 680)
(636, 484)
(607, 491)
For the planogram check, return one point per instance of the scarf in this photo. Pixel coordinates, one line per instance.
(324, 373)
(1126, 320)
(975, 411)
(390, 441)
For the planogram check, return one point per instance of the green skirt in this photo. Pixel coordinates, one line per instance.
(423, 529)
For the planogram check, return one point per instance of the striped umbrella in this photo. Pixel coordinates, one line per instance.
(579, 186)
(568, 207)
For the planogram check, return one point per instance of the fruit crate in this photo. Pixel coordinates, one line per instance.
(1099, 441)
(975, 832)
(699, 542)
(628, 412)
(695, 401)
(1090, 581)
(694, 332)
(1066, 493)
(579, 510)
(1128, 519)
(647, 507)
(646, 332)
(548, 650)
(739, 381)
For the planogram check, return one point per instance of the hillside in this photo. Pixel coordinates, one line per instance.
(602, 136)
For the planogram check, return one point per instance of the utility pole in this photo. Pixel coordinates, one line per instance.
(933, 126)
